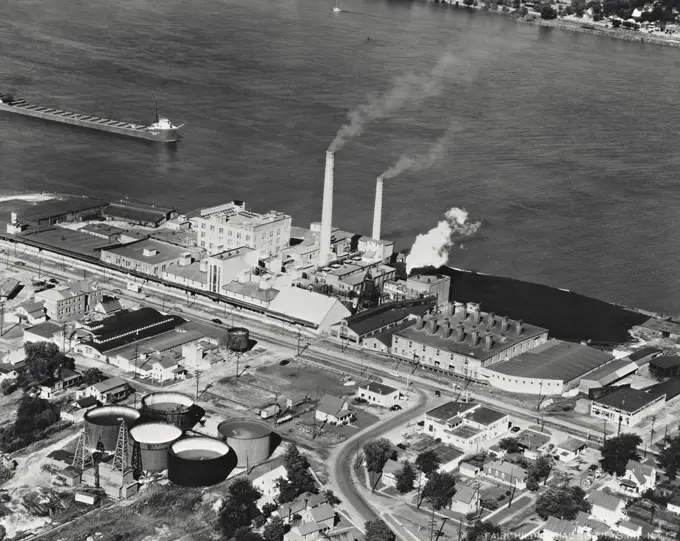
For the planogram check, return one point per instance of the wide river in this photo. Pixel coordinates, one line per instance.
(566, 144)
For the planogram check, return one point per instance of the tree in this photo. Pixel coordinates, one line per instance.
(91, 376)
(617, 451)
(523, 11)
(562, 502)
(8, 386)
(510, 445)
(482, 530)
(406, 478)
(238, 508)
(332, 498)
(469, 3)
(548, 12)
(616, 23)
(669, 456)
(377, 530)
(274, 530)
(439, 490)
(268, 508)
(539, 471)
(297, 468)
(377, 452)
(428, 462)
(287, 492)
(44, 362)
(244, 533)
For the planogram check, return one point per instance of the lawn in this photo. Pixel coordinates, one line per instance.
(517, 504)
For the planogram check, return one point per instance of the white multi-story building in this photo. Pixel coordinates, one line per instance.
(69, 301)
(232, 226)
(465, 425)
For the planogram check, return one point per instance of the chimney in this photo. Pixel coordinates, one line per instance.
(475, 338)
(464, 312)
(488, 341)
(504, 324)
(446, 333)
(490, 320)
(377, 210)
(327, 212)
(460, 333)
(476, 316)
(519, 329)
(458, 307)
(432, 326)
(420, 324)
(443, 327)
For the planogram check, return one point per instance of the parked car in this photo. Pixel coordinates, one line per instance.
(20, 264)
(401, 446)
(437, 393)
(54, 280)
(216, 320)
(284, 362)
(515, 429)
(421, 423)
(117, 291)
(592, 467)
(396, 407)
(177, 309)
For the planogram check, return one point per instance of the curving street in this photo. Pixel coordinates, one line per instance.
(342, 458)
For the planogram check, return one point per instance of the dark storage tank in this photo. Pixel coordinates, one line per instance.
(250, 440)
(154, 441)
(103, 424)
(171, 408)
(200, 462)
(238, 339)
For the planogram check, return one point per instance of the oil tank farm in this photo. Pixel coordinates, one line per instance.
(154, 441)
(238, 339)
(103, 423)
(200, 462)
(170, 408)
(250, 440)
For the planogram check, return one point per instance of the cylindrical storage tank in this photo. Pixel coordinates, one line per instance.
(154, 440)
(103, 424)
(238, 339)
(250, 440)
(200, 462)
(170, 408)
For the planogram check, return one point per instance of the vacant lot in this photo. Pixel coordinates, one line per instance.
(298, 378)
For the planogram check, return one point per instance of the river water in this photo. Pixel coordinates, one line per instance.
(566, 144)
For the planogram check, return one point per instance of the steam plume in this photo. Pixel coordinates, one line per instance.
(418, 163)
(410, 88)
(432, 248)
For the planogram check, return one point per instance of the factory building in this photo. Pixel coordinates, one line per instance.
(607, 375)
(629, 406)
(465, 342)
(420, 286)
(231, 226)
(347, 278)
(69, 301)
(313, 308)
(665, 366)
(358, 328)
(147, 256)
(139, 213)
(228, 266)
(465, 425)
(60, 211)
(172, 341)
(107, 232)
(550, 368)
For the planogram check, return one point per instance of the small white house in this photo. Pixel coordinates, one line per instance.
(390, 471)
(465, 500)
(333, 410)
(267, 484)
(607, 508)
(379, 394)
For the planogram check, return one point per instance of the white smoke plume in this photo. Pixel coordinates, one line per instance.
(418, 163)
(432, 248)
(410, 88)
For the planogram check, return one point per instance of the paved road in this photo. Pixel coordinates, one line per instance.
(342, 457)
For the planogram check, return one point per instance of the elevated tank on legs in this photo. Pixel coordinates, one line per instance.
(200, 461)
(251, 440)
(238, 339)
(102, 424)
(154, 440)
(171, 408)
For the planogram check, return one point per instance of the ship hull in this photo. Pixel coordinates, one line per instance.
(89, 121)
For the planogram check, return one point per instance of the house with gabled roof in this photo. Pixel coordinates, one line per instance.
(629, 529)
(390, 471)
(607, 508)
(110, 390)
(465, 500)
(557, 528)
(333, 410)
(324, 516)
(638, 478)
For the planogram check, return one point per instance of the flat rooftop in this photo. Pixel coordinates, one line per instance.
(485, 416)
(248, 218)
(189, 272)
(446, 454)
(162, 342)
(450, 409)
(368, 321)
(68, 239)
(555, 359)
(665, 361)
(102, 229)
(465, 432)
(135, 251)
(501, 340)
(252, 290)
(627, 399)
(59, 207)
(378, 388)
(233, 252)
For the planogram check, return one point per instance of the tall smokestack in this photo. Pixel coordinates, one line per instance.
(377, 211)
(327, 212)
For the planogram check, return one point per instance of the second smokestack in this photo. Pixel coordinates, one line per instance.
(327, 212)
(377, 211)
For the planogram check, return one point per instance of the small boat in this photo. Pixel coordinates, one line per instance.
(337, 9)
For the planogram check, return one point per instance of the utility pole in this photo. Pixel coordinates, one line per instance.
(441, 529)
(432, 524)
(317, 404)
(618, 433)
(651, 435)
(2, 318)
(604, 430)
(196, 374)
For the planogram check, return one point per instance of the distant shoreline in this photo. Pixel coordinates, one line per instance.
(575, 25)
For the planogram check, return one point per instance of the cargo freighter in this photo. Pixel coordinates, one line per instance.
(162, 130)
